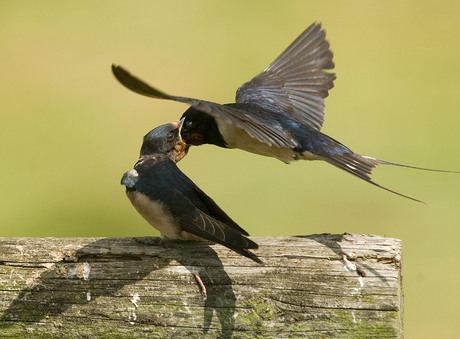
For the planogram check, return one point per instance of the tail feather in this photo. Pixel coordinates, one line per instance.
(362, 166)
(383, 162)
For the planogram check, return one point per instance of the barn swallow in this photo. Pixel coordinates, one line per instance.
(169, 201)
(279, 113)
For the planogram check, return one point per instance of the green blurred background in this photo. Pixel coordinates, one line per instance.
(69, 130)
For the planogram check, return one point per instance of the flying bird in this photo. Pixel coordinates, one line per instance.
(279, 113)
(169, 201)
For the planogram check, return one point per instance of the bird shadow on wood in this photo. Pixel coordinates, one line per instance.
(198, 256)
(333, 241)
(69, 283)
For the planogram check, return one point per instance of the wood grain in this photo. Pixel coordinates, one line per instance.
(119, 288)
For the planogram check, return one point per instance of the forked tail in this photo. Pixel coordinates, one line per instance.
(362, 166)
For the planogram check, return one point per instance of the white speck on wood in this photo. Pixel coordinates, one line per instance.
(21, 249)
(86, 270)
(72, 271)
(82, 270)
(348, 265)
(135, 298)
(132, 317)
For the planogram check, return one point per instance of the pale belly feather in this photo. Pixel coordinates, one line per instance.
(238, 138)
(157, 216)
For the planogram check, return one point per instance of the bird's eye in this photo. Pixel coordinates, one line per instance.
(188, 124)
(170, 136)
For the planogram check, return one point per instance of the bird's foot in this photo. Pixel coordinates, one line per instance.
(150, 241)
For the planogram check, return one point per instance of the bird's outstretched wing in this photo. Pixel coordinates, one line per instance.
(296, 82)
(270, 135)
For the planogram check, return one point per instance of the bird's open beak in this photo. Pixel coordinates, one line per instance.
(181, 123)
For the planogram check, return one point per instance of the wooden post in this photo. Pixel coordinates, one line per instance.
(118, 288)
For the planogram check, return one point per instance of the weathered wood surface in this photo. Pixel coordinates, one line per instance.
(118, 288)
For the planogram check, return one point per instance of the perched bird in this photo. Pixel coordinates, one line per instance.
(169, 201)
(279, 113)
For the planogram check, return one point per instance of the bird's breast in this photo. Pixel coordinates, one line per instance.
(155, 213)
(238, 138)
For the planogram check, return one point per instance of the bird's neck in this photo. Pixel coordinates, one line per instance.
(213, 135)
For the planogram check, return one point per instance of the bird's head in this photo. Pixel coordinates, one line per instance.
(200, 128)
(165, 139)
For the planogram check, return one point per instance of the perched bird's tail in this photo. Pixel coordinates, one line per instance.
(248, 254)
(362, 166)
